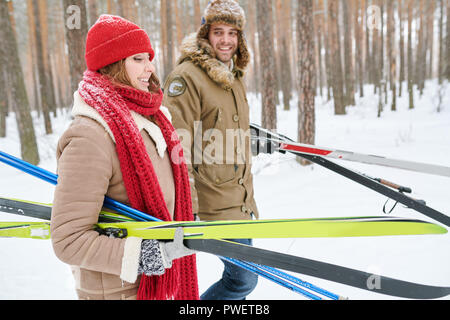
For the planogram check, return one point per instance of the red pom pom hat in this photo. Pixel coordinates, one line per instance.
(113, 38)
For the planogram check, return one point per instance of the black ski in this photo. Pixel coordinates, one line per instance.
(26, 209)
(360, 178)
(355, 278)
(44, 211)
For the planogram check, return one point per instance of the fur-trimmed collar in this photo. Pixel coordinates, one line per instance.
(81, 108)
(200, 52)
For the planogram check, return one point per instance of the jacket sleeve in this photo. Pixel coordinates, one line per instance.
(84, 171)
(186, 116)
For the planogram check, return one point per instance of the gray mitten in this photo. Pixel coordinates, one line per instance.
(174, 249)
(151, 261)
(156, 256)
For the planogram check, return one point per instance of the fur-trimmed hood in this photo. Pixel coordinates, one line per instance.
(201, 53)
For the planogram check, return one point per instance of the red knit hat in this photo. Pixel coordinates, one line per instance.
(113, 38)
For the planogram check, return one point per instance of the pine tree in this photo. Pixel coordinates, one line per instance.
(335, 57)
(441, 64)
(45, 83)
(402, 47)
(391, 53)
(349, 74)
(3, 100)
(10, 60)
(267, 65)
(306, 65)
(283, 51)
(75, 24)
(359, 23)
(410, 56)
(447, 59)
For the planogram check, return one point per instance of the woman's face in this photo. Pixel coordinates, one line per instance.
(139, 69)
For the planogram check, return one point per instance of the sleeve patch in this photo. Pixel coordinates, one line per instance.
(176, 87)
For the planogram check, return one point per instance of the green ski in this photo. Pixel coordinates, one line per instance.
(279, 228)
(276, 228)
(32, 230)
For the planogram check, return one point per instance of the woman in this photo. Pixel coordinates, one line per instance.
(118, 145)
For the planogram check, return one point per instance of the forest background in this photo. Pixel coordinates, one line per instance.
(306, 48)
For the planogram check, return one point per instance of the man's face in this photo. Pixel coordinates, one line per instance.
(224, 40)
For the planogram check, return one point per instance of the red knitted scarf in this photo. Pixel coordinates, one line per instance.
(144, 192)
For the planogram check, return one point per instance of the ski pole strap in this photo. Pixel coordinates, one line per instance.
(392, 209)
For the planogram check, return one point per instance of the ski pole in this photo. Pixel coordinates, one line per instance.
(302, 283)
(53, 179)
(255, 269)
(17, 163)
(109, 203)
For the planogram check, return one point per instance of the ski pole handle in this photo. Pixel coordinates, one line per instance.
(394, 185)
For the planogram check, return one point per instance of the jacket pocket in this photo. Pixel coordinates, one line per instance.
(215, 124)
(217, 174)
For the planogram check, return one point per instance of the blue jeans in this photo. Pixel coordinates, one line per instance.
(236, 282)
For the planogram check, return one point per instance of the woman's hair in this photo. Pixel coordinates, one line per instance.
(118, 74)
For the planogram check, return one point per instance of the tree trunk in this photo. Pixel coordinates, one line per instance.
(349, 74)
(10, 60)
(367, 58)
(50, 88)
(402, 47)
(421, 50)
(447, 60)
(283, 50)
(43, 78)
(128, 10)
(441, 64)
(392, 52)
(326, 40)
(167, 37)
(111, 7)
(384, 74)
(170, 47)
(430, 39)
(163, 42)
(255, 70)
(335, 58)
(75, 23)
(33, 92)
(197, 14)
(410, 56)
(3, 98)
(92, 12)
(178, 23)
(306, 66)
(358, 7)
(267, 64)
(318, 25)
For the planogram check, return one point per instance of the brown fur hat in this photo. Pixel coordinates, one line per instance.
(231, 13)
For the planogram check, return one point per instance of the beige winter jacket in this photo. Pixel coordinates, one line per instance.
(211, 114)
(89, 169)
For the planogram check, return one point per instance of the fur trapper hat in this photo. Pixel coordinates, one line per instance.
(231, 13)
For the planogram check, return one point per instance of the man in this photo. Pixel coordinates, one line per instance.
(206, 96)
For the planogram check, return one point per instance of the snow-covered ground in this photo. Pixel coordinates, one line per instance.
(285, 189)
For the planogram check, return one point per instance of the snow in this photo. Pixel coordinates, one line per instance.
(285, 189)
